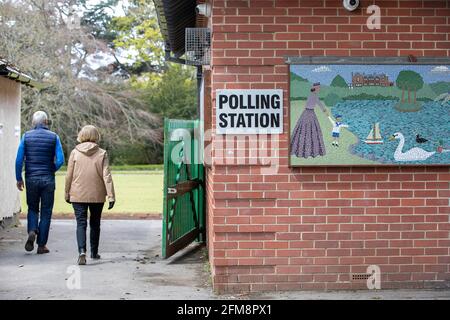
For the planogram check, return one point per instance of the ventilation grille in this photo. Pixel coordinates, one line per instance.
(198, 45)
(361, 276)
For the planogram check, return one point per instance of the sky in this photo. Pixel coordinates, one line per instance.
(326, 73)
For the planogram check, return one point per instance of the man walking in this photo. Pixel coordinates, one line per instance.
(42, 152)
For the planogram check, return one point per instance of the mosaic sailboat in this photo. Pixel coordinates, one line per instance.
(374, 136)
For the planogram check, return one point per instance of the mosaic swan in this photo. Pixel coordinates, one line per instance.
(414, 154)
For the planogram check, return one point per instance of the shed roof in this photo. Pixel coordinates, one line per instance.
(8, 70)
(174, 17)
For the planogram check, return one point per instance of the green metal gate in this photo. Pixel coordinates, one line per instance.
(183, 212)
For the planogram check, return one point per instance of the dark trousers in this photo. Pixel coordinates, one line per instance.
(40, 198)
(81, 213)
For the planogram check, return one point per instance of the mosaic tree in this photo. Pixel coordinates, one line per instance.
(408, 80)
(339, 82)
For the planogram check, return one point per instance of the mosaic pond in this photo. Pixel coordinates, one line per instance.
(431, 123)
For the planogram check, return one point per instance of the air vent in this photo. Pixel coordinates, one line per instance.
(198, 46)
(361, 276)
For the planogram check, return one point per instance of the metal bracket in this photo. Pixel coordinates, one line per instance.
(183, 187)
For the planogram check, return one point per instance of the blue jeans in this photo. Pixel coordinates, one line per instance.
(40, 194)
(81, 214)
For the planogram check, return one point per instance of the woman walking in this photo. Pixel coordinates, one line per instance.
(88, 183)
(307, 138)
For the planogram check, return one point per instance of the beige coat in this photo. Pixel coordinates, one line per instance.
(88, 178)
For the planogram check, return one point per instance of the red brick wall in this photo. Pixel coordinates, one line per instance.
(311, 228)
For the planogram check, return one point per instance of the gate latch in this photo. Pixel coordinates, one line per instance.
(171, 190)
(182, 187)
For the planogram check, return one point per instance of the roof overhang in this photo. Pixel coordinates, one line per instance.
(7, 70)
(174, 16)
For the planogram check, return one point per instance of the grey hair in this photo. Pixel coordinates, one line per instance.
(39, 117)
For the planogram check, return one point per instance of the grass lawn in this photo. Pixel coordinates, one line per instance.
(137, 192)
(334, 155)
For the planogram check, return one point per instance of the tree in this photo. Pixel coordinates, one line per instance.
(97, 17)
(331, 99)
(172, 94)
(138, 34)
(409, 80)
(416, 83)
(35, 36)
(168, 89)
(339, 82)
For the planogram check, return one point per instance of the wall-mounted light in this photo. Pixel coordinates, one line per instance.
(203, 9)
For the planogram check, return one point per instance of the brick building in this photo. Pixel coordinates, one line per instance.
(362, 79)
(318, 227)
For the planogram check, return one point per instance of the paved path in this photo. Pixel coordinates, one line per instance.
(131, 268)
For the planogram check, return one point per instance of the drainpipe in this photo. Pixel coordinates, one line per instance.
(199, 88)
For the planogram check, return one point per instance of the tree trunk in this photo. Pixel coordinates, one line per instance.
(409, 95)
(403, 95)
(415, 91)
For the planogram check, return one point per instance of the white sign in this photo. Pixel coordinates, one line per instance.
(249, 111)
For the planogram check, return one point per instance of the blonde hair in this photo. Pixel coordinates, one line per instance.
(88, 134)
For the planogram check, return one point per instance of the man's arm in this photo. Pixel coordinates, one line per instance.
(19, 159)
(331, 120)
(59, 161)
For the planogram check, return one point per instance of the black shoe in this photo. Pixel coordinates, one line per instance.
(42, 250)
(29, 246)
(95, 256)
(82, 259)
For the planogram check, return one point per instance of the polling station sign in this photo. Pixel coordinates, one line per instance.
(249, 111)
